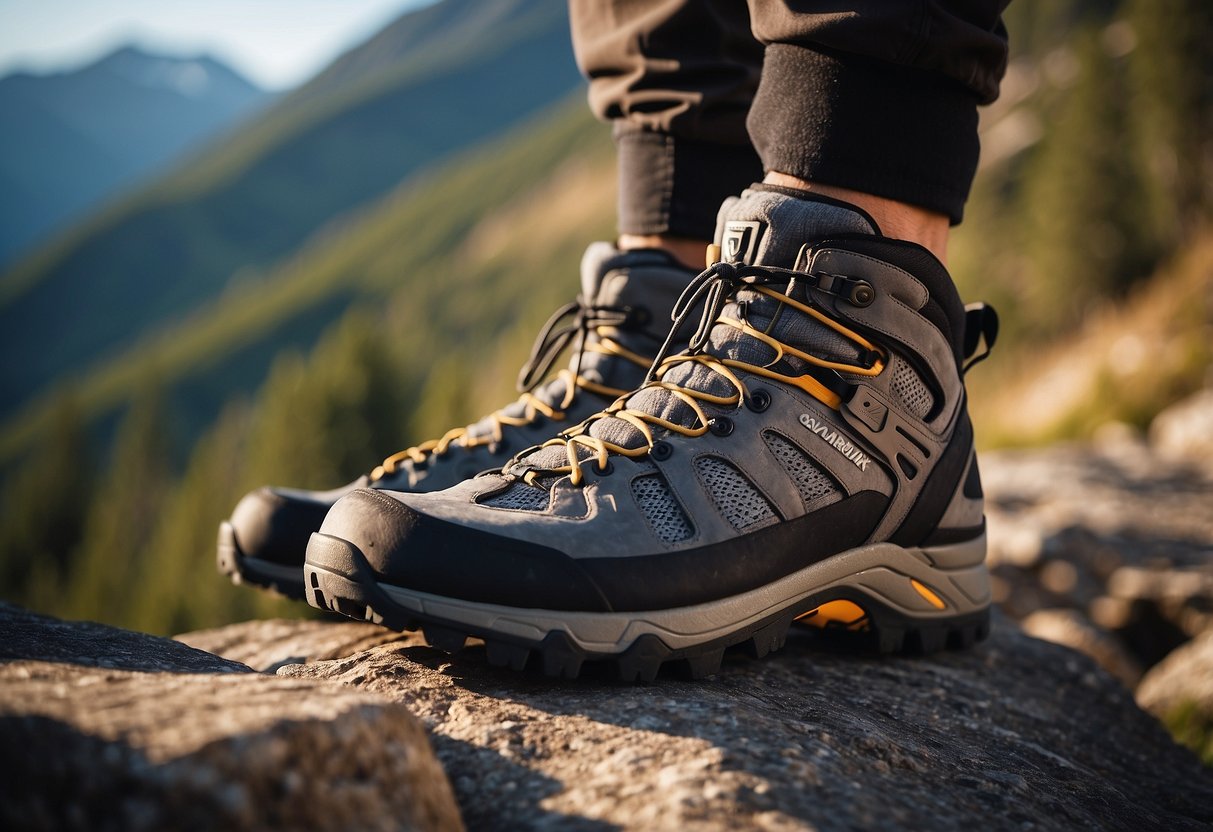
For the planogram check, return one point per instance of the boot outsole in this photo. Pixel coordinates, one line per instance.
(350, 589)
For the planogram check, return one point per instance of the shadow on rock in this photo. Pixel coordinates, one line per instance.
(496, 793)
(1016, 729)
(28, 635)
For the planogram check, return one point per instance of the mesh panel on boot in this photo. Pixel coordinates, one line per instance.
(910, 388)
(660, 508)
(812, 483)
(520, 497)
(735, 496)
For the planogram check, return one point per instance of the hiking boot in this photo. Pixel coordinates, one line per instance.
(807, 458)
(614, 328)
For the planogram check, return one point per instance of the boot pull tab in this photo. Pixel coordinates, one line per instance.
(981, 324)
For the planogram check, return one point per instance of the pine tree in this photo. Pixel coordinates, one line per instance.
(148, 559)
(178, 587)
(121, 517)
(322, 422)
(45, 500)
(1171, 86)
(1082, 197)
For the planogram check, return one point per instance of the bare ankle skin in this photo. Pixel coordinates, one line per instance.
(690, 253)
(899, 220)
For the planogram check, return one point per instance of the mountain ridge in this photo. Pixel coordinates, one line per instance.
(342, 264)
(178, 243)
(65, 150)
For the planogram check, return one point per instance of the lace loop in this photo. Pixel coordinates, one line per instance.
(553, 338)
(713, 288)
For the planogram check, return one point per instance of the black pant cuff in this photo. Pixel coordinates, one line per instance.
(871, 126)
(671, 185)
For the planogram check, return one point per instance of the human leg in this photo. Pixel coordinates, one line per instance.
(675, 80)
(807, 458)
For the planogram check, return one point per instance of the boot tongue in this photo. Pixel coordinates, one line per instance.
(646, 284)
(761, 227)
(768, 226)
(595, 265)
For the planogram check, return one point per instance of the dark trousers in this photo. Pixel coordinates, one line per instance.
(705, 95)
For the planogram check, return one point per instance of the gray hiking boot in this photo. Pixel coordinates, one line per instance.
(808, 458)
(614, 329)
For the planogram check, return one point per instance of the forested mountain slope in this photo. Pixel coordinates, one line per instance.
(430, 85)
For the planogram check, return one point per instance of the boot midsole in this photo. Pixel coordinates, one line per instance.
(885, 572)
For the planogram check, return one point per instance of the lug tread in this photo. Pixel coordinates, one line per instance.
(560, 655)
(446, 639)
(770, 638)
(505, 654)
(557, 655)
(642, 660)
(705, 664)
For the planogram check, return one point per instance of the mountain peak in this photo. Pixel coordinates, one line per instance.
(191, 76)
(73, 138)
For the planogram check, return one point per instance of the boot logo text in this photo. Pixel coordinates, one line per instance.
(839, 443)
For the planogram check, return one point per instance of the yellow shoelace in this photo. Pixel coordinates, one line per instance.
(548, 347)
(715, 285)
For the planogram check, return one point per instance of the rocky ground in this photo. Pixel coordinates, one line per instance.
(102, 728)
(805, 739)
(1106, 549)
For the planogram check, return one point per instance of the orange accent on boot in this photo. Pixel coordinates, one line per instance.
(933, 599)
(839, 614)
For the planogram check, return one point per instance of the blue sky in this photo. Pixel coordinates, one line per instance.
(276, 43)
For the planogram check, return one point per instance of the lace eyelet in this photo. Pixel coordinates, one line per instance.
(661, 450)
(605, 470)
(758, 401)
(721, 426)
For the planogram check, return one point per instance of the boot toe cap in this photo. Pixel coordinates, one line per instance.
(274, 524)
(410, 549)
